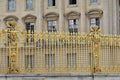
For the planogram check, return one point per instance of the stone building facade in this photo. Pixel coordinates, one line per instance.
(62, 15)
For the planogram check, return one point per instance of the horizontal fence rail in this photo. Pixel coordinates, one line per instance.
(59, 52)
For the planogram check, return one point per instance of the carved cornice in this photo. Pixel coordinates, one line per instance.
(95, 13)
(10, 18)
(51, 14)
(72, 14)
(29, 18)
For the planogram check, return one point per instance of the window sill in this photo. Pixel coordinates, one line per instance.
(29, 9)
(98, 3)
(72, 5)
(11, 10)
(51, 7)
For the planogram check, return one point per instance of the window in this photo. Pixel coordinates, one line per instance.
(71, 60)
(29, 4)
(11, 5)
(50, 60)
(52, 26)
(29, 61)
(30, 30)
(71, 2)
(93, 1)
(95, 21)
(30, 27)
(73, 25)
(51, 3)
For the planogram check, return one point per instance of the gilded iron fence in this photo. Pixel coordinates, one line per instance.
(59, 52)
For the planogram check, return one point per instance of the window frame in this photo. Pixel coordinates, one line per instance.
(52, 30)
(30, 31)
(96, 23)
(52, 3)
(32, 5)
(70, 3)
(9, 6)
(30, 24)
(74, 29)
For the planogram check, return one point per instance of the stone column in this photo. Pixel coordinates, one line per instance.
(106, 18)
(115, 15)
(61, 21)
(39, 21)
(83, 27)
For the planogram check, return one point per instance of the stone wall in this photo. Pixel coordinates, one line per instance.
(60, 77)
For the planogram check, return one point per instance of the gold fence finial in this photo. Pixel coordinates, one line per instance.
(94, 28)
(11, 23)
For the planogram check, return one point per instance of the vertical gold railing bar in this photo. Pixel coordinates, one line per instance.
(80, 66)
(66, 46)
(1, 57)
(23, 53)
(78, 50)
(41, 48)
(47, 52)
(86, 50)
(56, 55)
(58, 52)
(28, 54)
(62, 49)
(44, 52)
(115, 53)
(76, 60)
(70, 52)
(52, 51)
(108, 53)
(1, 51)
(88, 58)
(33, 52)
(91, 55)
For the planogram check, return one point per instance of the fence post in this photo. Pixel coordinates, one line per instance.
(13, 48)
(95, 36)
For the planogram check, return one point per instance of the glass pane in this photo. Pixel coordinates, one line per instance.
(73, 25)
(94, 1)
(11, 5)
(52, 25)
(92, 20)
(30, 26)
(29, 4)
(95, 21)
(72, 1)
(51, 2)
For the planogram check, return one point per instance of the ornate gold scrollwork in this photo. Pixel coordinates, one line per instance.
(13, 50)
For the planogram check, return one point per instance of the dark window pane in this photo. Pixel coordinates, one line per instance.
(51, 2)
(72, 1)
